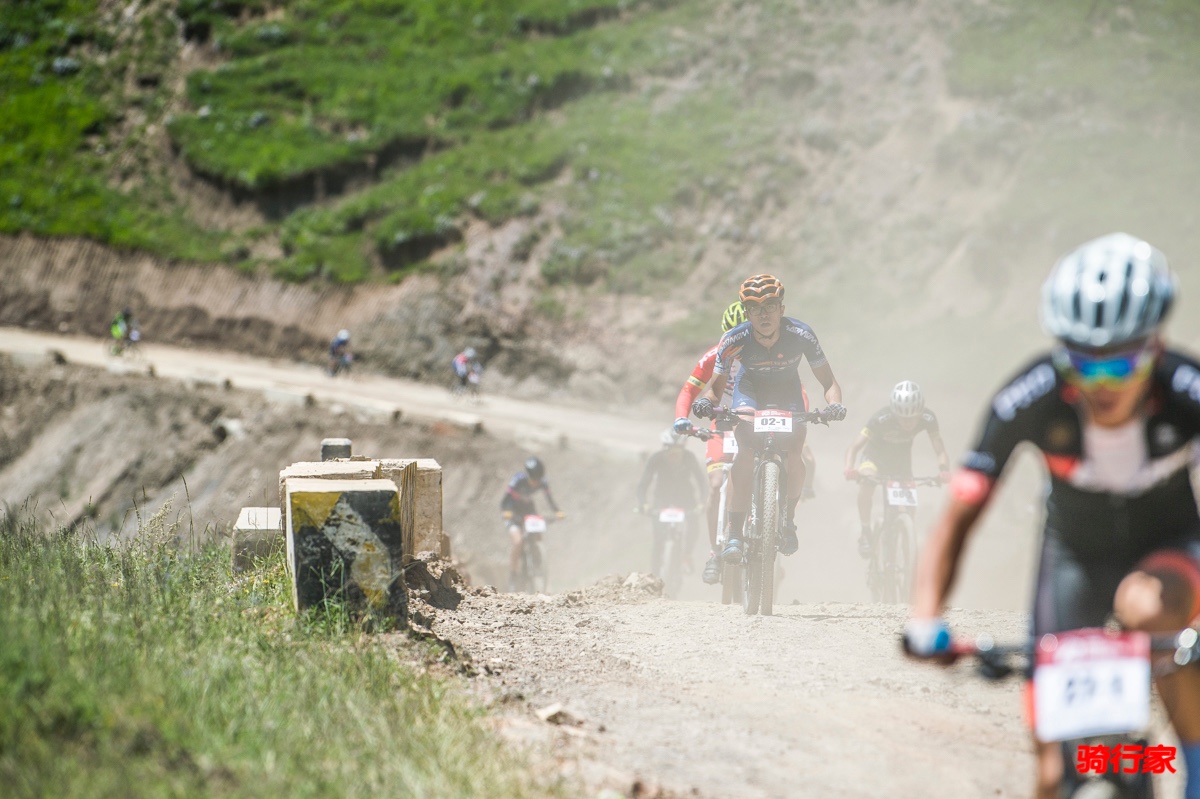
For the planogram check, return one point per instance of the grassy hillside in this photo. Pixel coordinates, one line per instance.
(367, 131)
(140, 670)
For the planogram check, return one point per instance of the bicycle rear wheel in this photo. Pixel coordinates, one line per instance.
(903, 557)
(536, 567)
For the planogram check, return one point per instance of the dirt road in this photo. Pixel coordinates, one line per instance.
(293, 383)
(696, 699)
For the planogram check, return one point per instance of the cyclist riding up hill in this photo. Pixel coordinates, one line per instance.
(886, 446)
(518, 503)
(770, 347)
(1116, 416)
(717, 451)
(678, 483)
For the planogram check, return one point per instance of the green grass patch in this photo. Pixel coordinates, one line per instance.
(141, 670)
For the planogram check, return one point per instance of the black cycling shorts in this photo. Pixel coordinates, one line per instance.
(1073, 593)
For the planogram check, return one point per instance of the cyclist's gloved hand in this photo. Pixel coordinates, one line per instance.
(850, 474)
(834, 412)
(926, 638)
(682, 426)
(560, 514)
(702, 407)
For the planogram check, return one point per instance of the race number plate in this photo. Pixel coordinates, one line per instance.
(1088, 682)
(772, 422)
(729, 444)
(535, 524)
(672, 515)
(901, 495)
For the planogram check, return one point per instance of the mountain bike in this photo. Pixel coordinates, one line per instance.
(732, 587)
(666, 559)
(1091, 692)
(340, 363)
(894, 538)
(531, 579)
(771, 430)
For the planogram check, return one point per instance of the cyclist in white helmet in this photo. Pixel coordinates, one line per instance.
(885, 444)
(1116, 415)
(339, 352)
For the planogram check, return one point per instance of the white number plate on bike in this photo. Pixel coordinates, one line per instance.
(535, 524)
(672, 515)
(901, 495)
(772, 422)
(1089, 682)
(729, 444)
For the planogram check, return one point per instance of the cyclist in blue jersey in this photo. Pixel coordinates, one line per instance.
(770, 347)
(517, 503)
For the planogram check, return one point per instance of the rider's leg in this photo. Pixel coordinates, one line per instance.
(1163, 595)
(741, 477)
(810, 472)
(796, 476)
(1049, 770)
(866, 497)
(514, 563)
(716, 477)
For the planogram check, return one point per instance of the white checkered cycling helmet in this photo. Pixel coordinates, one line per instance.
(1109, 291)
(907, 401)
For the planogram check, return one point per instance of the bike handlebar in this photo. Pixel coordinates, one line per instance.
(723, 414)
(998, 661)
(934, 481)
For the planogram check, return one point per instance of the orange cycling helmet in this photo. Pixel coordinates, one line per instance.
(760, 288)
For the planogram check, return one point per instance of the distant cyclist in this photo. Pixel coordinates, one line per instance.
(770, 347)
(518, 503)
(678, 482)
(124, 331)
(1116, 416)
(718, 452)
(468, 370)
(886, 448)
(340, 356)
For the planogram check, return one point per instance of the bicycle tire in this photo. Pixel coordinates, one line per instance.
(671, 572)
(768, 536)
(903, 556)
(752, 580)
(537, 573)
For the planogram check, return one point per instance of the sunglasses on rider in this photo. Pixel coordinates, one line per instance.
(1112, 369)
(765, 309)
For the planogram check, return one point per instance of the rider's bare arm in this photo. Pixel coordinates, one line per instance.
(939, 449)
(716, 389)
(858, 446)
(938, 565)
(833, 390)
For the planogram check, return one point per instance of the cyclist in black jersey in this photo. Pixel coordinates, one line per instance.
(885, 444)
(1116, 416)
(517, 503)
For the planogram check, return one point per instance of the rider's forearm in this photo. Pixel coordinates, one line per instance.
(938, 565)
(833, 392)
(854, 449)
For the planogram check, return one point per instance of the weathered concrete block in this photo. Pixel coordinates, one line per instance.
(420, 490)
(257, 532)
(345, 540)
(333, 448)
(331, 470)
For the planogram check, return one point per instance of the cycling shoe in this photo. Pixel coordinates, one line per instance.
(864, 547)
(732, 552)
(788, 542)
(712, 570)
